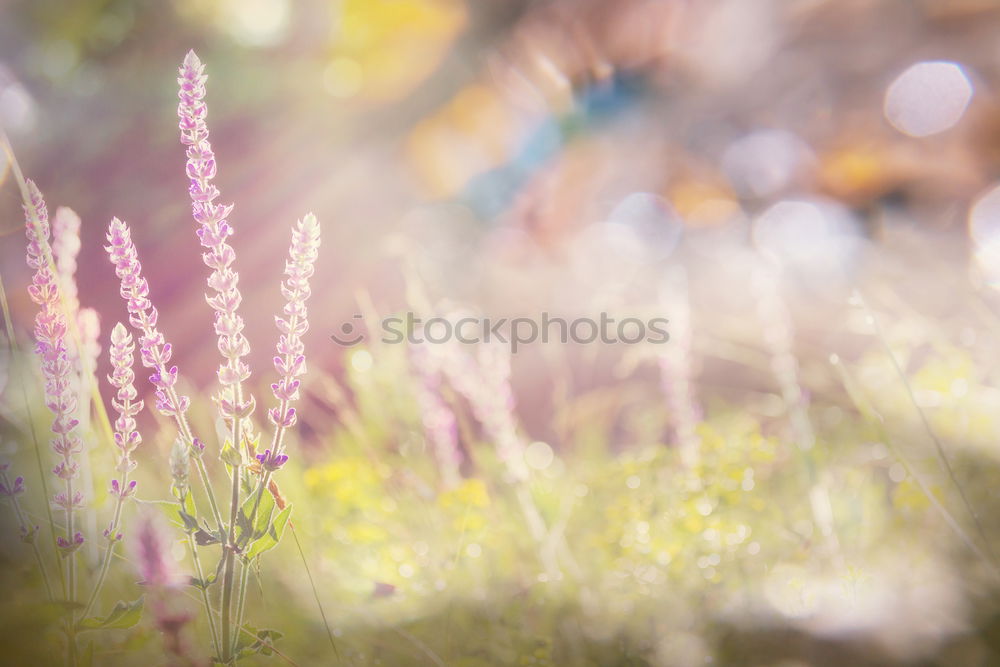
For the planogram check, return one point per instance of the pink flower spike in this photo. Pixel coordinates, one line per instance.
(290, 362)
(213, 232)
(52, 347)
(154, 352)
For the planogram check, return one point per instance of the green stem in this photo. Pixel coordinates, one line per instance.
(230, 547)
(240, 601)
(106, 564)
(206, 600)
(22, 521)
(265, 478)
(203, 474)
(70, 575)
(241, 598)
(15, 350)
(185, 430)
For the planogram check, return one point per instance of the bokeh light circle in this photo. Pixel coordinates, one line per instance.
(928, 98)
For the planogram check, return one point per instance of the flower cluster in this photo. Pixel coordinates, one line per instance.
(213, 232)
(127, 405)
(153, 350)
(290, 361)
(50, 334)
(271, 461)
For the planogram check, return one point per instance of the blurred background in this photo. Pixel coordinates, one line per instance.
(808, 189)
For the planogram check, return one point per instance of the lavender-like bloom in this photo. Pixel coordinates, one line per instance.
(50, 333)
(213, 232)
(127, 438)
(153, 349)
(290, 361)
(438, 419)
(271, 461)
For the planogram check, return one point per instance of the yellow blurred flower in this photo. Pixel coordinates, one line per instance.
(388, 47)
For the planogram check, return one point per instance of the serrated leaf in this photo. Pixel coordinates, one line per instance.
(123, 615)
(273, 536)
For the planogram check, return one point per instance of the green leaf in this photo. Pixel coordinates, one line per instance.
(231, 456)
(204, 583)
(190, 522)
(260, 521)
(203, 538)
(172, 510)
(273, 535)
(124, 615)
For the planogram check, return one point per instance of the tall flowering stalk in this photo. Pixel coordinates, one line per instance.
(57, 370)
(127, 439)
(154, 351)
(213, 232)
(245, 534)
(290, 363)
(82, 346)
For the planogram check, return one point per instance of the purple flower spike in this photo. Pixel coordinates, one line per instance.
(271, 462)
(153, 349)
(213, 232)
(50, 334)
(290, 361)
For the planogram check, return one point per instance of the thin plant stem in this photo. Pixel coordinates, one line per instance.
(865, 407)
(205, 599)
(241, 600)
(230, 547)
(315, 592)
(15, 352)
(106, 562)
(277, 441)
(23, 522)
(938, 445)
